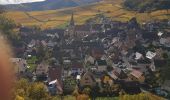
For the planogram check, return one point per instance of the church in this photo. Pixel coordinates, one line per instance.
(77, 31)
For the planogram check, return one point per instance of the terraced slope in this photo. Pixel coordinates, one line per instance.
(60, 18)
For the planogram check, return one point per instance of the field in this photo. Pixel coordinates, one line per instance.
(60, 18)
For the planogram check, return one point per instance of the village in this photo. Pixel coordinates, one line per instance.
(109, 58)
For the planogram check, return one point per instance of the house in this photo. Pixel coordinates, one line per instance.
(55, 87)
(82, 30)
(55, 73)
(20, 64)
(77, 68)
(112, 75)
(165, 41)
(138, 55)
(77, 31)
(150, 55)
(51, 44)
(88, 79)
(97, 52)
(159, 53)
(160, 34)
(89, 60)
(41, 69)
(136, 75)
(119, 73)
(96, 28)
(44, 43)
(19, 51)
(101, 65)
(31, 44)
(67, 62)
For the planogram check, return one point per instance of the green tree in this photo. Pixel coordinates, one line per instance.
(165, 55)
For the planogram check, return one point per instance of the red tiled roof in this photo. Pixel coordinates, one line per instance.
(136, 73)
(77, 65)
(55, 73)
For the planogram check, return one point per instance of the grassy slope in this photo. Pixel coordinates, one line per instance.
(60, 18)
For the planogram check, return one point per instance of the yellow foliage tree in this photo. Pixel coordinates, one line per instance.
(83, 97)
(25, 90)
(19, 98)
(141, 96)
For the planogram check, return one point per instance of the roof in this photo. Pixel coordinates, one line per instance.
(90, 74)
(101, 62)
(97, 27)
(42, 68)
(77, 65)
(160, 33)
(72, 20)
(136, 73)
(53, 82)
(145, 61)
(150, 55)
(15, 59)
(82, 28)
(138, 55)
(21, 64)
(117, 70)
(112, 75)
(55, 73)
(107, 26)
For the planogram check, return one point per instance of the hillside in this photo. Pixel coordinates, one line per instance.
(147, 5)
(47, 4)
(60, 18)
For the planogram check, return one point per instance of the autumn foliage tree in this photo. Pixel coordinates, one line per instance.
(30, 91)
(141, 96)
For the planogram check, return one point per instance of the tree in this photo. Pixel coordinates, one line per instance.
(87, 91)
(83, 97)
(165, 55)
(19, 98)
(41, 52)
(37, 91)
(69, 85)
(7, 27)
(30, 91)
(141, 96)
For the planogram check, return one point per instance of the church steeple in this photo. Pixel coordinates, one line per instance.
(72, 20)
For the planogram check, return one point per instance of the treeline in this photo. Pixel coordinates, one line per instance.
(147, 5)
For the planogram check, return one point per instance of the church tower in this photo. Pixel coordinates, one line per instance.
(72, 20)
(71, 27)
